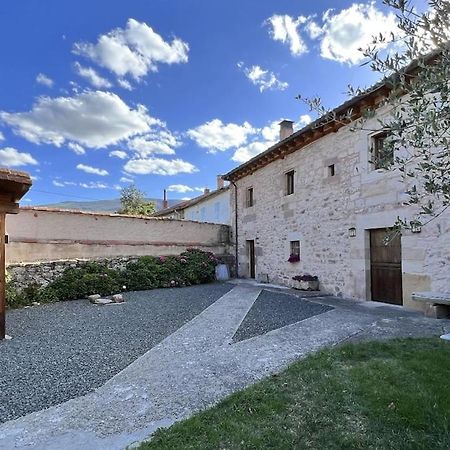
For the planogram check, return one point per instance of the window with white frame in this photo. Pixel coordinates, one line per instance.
(249, 200)
(290, 182)
(382, 153)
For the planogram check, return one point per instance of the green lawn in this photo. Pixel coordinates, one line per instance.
(392, 395)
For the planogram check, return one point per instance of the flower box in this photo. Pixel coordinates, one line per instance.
(305, 283)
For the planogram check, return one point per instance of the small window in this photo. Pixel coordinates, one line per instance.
(331, 170)
(295, 250)
(290, 182)
(382, 154)
(249, 200)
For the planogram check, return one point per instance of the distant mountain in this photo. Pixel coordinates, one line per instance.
(103, 205)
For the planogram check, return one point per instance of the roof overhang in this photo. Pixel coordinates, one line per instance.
(346, 113)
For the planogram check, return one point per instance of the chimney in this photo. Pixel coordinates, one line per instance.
(206, 191)
(220, 182)
(286, 129)
(165, 202)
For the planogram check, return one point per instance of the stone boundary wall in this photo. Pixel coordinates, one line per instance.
(42, 234)
(23, 275)
(43, 242)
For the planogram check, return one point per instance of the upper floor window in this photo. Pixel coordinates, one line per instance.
(290, 182)
(382, 152)
(331, 170)
(249, 201)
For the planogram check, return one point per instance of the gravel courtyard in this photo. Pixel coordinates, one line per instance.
(164, 355)
(63, 350)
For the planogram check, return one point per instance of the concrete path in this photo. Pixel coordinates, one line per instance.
(190, 370)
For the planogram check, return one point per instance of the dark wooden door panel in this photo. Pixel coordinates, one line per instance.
(386, 266)
(251, 258)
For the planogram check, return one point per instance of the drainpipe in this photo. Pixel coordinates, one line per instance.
(236, 267)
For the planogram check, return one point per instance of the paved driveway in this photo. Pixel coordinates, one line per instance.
(243, 336)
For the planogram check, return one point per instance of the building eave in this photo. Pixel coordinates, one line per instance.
(350, 110)
(188, 203)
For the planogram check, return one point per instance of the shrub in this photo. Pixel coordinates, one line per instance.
(305, 277)
(82, 281)
(191, 267)
(148, 272)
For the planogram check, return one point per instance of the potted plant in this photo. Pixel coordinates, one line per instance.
(305, 282)
(293, 258)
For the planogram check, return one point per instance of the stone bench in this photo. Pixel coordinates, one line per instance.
(438, 304)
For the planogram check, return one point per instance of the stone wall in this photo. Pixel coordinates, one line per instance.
(40, 234)
(23, 275)
(44, 242)
(320, 213)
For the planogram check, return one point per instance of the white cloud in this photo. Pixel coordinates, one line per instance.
(305, 119)
(2, 137)
(185, 199)
(271, 132)
(124, 84)
(134, 50)
(95, 185)
(93, 170)
(44, 80)
(345, 32)
(179, 188)
(340, 34)
(264, 79)
(285, 29)
(243, 154)
(182, 188)
(158, 166)
(126, 180)
(76, 148)
(94, 119)
(266, 137)
(217, 136)
(10, 157)
(60, 183)
(313, 29)
(118, 154)
(158, 141)
(92, 76)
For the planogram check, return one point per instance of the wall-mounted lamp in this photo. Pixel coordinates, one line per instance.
(416, 226)
(352, 232)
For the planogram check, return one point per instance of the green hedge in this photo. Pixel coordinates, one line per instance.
(148, 272)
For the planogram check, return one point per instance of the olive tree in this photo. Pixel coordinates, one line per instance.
(414, 63)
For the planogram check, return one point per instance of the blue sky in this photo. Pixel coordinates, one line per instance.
(166, 94)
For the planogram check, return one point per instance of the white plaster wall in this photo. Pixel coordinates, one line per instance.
(321, 211)
(42, 235)
(212, 210)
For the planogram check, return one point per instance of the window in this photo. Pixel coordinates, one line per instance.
(331, 170)
(249, 199)
(295, 251)
(290, 182)
(382, 153)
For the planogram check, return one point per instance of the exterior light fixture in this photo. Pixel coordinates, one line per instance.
(416, 226)
(352, 232)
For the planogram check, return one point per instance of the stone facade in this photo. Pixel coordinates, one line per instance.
(322, 210)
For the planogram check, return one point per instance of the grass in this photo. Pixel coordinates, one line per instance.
(378, 395)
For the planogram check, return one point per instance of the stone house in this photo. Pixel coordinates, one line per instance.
(210, 207)
(316, 195)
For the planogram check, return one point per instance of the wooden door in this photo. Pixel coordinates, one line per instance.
(386, 266)
(251, 258)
